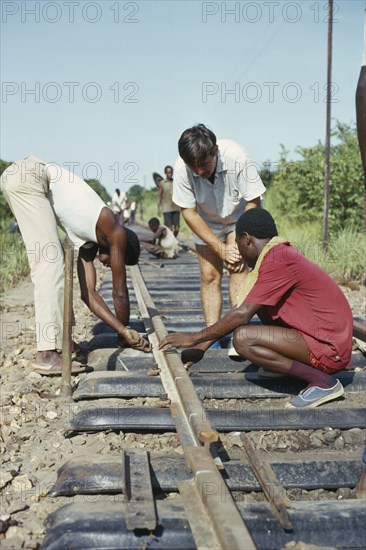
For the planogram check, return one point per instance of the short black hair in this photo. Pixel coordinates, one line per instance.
(166, 168)
(133, 247)
(154, 221)
(258, 223)
(196, 144)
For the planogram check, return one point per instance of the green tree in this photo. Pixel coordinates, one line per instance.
(99, 189)
(136, 193)
(267, 173)
(5, 211)
(297, 187)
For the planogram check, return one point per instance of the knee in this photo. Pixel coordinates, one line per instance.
(211, 278)
(242, 344)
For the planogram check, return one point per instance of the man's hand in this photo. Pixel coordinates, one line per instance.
(183, 340)
(239, 267)
(177, 340)
(230, 254)
(134, 340)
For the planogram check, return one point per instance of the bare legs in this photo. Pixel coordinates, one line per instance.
(211, 275)
(211, 267)
(271, 347)
(281, 350)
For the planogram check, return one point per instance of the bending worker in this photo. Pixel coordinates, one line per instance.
(307, 321)
(41, 196)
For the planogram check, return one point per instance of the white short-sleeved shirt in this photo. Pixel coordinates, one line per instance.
(169, 243)
(76, 205)
(221, 203)
(118, 202)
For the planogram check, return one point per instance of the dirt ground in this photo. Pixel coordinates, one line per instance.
(34, 417)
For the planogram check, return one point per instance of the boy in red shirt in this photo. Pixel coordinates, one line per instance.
(307, 321)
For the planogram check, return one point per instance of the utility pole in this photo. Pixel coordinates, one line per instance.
(328, 123)
(361, 116)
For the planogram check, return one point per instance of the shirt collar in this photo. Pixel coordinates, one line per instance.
(221, 167)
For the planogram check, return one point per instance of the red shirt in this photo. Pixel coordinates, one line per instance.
(298, 294)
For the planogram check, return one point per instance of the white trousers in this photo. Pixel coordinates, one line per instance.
(25, 187)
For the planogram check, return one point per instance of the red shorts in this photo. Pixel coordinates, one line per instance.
(324, 357)
(318, 365)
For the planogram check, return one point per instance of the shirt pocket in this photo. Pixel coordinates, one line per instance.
(232, 203)
(232, 194)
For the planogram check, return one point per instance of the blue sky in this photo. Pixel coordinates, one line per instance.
(107, 87)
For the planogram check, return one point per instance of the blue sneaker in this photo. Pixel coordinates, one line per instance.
(226, 341)
(223, 343)
(215, 345)
(314, 396)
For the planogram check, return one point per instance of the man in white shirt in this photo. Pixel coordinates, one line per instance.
(119, 203)
(214, 183)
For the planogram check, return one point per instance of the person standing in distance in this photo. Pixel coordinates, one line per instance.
(214, 183)
(171, 211)
(119, 201)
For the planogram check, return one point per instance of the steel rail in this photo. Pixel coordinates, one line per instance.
(359, 329)
(224, 527)
(175, 379)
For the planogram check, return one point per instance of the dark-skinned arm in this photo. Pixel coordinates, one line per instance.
(96, 304)
(150, 241)
(87, 280)
(113, 234)
(118, 243)
(117, 239)
(160, 234)
(236, 317)
(253, 203)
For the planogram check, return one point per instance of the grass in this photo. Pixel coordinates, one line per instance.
(345, 257)
(14, 263)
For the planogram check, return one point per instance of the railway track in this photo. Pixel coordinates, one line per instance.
(242, 472)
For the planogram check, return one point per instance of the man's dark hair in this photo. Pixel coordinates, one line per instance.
(196, 144)
(258, 223)
(133, 247)
(154, 221)
(166, 168)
